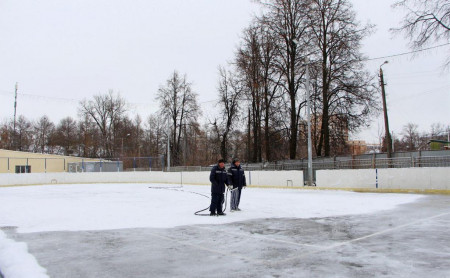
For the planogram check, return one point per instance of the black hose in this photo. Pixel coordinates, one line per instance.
(207, 214)
(197, 212)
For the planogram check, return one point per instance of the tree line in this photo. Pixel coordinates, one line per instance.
(261, 98)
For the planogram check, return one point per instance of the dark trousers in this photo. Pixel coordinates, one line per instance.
(216, 202)
(239, 197)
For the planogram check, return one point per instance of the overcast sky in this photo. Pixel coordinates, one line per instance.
(61, 52)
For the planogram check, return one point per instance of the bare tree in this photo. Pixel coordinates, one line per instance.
(287, 21)
(89, 137)
(5, 136)
(178, 103)
(270, 80)
(154, 131)
(438, 130)
(106, 111)
(411, 136)
(23, 135)
(43, 132)
(347, 90)
(425, 22)
(230, 94)
(248, 63)
(66, 135)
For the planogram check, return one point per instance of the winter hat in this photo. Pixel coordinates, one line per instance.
(235, 160)
(221, 161)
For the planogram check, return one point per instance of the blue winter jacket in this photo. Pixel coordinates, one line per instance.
(218, 178)
(236, 176)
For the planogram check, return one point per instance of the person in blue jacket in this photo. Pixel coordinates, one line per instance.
(218, 178)
(236, 179)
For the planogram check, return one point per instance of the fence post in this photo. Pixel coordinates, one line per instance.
(134, 164)
(150, 164)
(45, 165)
(101, 166)
(376, 178)
(374, 161)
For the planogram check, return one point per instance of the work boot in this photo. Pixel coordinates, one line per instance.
(212, 214)
(221, 213)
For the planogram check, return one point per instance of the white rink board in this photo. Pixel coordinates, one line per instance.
(260, 178)
(415, 178)
(364, 178)
(403, 178)
(275, 178)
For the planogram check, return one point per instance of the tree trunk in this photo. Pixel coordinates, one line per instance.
(293, 139)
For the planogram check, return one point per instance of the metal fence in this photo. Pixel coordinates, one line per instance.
(338, 163)
(371, 161)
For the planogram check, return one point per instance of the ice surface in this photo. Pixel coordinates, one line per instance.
(118, 206)
(130, 230)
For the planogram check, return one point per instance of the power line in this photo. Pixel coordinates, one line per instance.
(405, 53)
(66, 100)
(7, 92)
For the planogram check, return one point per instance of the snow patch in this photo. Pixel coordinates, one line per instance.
(16, 262)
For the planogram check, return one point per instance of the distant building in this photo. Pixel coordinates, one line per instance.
(27, 162)
(339, 132)
(357, 147)
(436, 145)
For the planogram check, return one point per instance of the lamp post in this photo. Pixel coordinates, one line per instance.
(308, 117)
(310, 181)
(168, 144)
(386, 121)
(121, 152)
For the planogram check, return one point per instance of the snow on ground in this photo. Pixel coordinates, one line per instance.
(16, 262)
(117, 206)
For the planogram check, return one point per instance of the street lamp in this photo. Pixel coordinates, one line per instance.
(308, 116)
(168, 144)
(386, 121)
(122, 144)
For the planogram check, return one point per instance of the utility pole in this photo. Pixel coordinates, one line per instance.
(308, 116)
(393, 142)
(15, 112)
(386, 121)
(248, 137)
(168, 144)
(121, 150)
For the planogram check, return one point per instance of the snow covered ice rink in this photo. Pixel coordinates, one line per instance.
(131, 230)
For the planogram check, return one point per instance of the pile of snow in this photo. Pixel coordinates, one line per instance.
(16, 262)
(118, 206)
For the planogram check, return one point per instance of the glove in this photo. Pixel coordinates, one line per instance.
(230, 187)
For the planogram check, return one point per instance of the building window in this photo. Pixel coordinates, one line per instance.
(23, 169)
